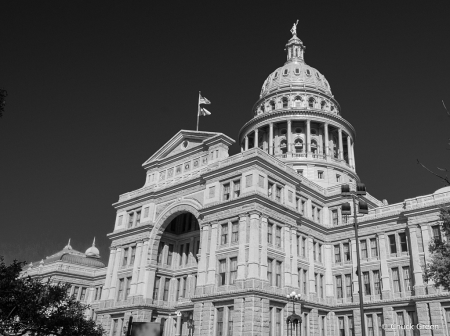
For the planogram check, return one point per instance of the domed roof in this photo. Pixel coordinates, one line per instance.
(442, 190)
(92, 252)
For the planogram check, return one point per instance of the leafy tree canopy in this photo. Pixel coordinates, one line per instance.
(37, 307)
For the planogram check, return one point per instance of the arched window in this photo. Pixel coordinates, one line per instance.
(262, 108)
(298, 102)
(285, 72)
(311, 102)
(284, 100)
(314, 147)
(272, 105)
(298, 144)
(283, 146)
(322, 104)
(283, 131)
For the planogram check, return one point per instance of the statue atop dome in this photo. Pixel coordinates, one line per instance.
(294, 29)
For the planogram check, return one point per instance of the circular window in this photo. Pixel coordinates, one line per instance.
(283, 131)
(313, 132)
(297, 71)
(184, 144)
(298, 130)
(285, 72)
(308, 72)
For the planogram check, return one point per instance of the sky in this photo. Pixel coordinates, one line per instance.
(95, 88)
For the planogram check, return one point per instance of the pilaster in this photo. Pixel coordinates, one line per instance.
(109, 272)
(312, 288)
(329, 292)
(253, 255)
(287, 256)
(112, 290)
(423, 316)
(419, 288)
(242, 242)
(386, 284)
(263, 263)
(137, 260)
(204, 247)
(294, 258)
(143, 265)
(212, 254)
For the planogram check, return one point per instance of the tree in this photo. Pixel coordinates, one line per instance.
(37, 307)
(3, 94)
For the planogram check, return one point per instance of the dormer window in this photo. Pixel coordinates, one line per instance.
(283, 146)
(285, 72)
(311, 102)
(272, 105)
(308, 72)
(297, 71)
(298, 101)
(317, 75)
(285, 102)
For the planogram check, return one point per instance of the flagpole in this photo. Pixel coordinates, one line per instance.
(198, 108)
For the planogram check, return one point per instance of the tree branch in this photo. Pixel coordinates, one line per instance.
(431, 172)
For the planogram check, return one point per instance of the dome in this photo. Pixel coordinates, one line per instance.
(295, 74)
(442, 190)
(92, 252)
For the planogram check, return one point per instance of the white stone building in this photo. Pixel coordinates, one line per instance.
(224, 238)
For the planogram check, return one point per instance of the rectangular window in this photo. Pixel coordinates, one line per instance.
(133, 255)
(334, 216)
(278, 194)
(248, 180)
(156, 288)
(261, 181)
(83, 294)
(212, 191)
(166, 290)
(130, 219)
(436, 233)
(314, 251)
(315, 283)
(412, 316)
(392, 244)
(337, 253)
(233, 270)
(370, 330)
(401, 323)
(220, 321)
(363, 248)
(236, 188)
(305, 279)
(125, 257)
(183, 287)
(270, 189)
(120, 292)
(269, 233)
(181, 254)
(338, 178)
(138, 218)
(447, 319)
(222, 272)
(320, 252)
(395, 280)
(278, 274)
(341, 326)
(224, 234)
(127, 288)
(339, 286)
(322, 325)
(160, 252)
(169, 255)
(226, 192)
(406, 279)
(380, 324)
(347, 256)
(178, 292)
(366, 279)
(230, 320)
(351, 330)
(146, 212)
(290, 195)
(373, 248)
(119, 221)
(235, 232)
(321, 285)
(403, 243)
(271, 310)
(278, 322)
(115, 327)
(278, 236)
(269, 271)
(376, 282)
(320, 175)
(348, 285)
(304, 247)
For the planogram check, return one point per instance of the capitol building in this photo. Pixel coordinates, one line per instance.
(211, 244)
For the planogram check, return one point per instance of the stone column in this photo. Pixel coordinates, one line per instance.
(341, 146)
(246, 142)
(329, 292)
(349, 153)
(109, 272)
(112, 290)
(242, 241)
(357, 322)
(203, 250)
(287, 255)
(263, 266)
(386, 284)
(253, 253)
(134, 279)
(143, 264)
(255, 142)
(312, 288)
(289, 136)
(353, 154)
(308, 137)
(423, 316)
(212, 255)
(190, 255)
(178, 331)
(417, 269)
(388, 319)
(148, 284)
(271, 138)
(436, 318)
(294, 258)
(327, 150)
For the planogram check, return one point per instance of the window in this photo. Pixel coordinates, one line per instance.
(125, 257)
(366, 279)
(348, 285)
(130, 219)
(226, 192)
(83, 294)
(316, 280)
(363, 248)
(305, 279)
(271, 310)
(314, 251)
(222, 272)
(166, 290)
(278, 322)
(230, 320)
(347, 256)
(401, 324)
(269, 271)
(403, 243)
(133, 255)
(339, 286)
(337, 253)
(224, 234)
(395, 280)
(380, 324)
(447, 318)
(186, 261)
(278, 236)
(320, 252)
(156, 288)
(220, 321)
(121, 287)
(278, 274)
(269, 189)
(322, 325)
(334, 215)
(341, 326)
(178, 292)
(436, 233)
(350, 326)
(269, 234)
(115, 327)
(146, 212)
(370, 330)
(236, 188)
(303, 247)
(392, 244)
(138, 218)
(373, 248)
(338, 178)
(284, 100)
(278, 194)
(160, 252)
(119, 221)
(169, 255)
(406, 279)
(127, 288)
(376, 282)
(233, 270)
(320, 175)
(321, 285)
(184, 286)
(235, 232)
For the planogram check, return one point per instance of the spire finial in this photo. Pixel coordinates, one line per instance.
(93, 243)
(68, 245)
(294, 29)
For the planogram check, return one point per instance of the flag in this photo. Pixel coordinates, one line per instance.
(203, 112)
(203, 100)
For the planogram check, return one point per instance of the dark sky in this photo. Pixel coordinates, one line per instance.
(95, 88)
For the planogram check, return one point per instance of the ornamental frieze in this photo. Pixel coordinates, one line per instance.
(179, 194)
(130, 239)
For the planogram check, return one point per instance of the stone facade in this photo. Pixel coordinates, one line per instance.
(222, 239)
